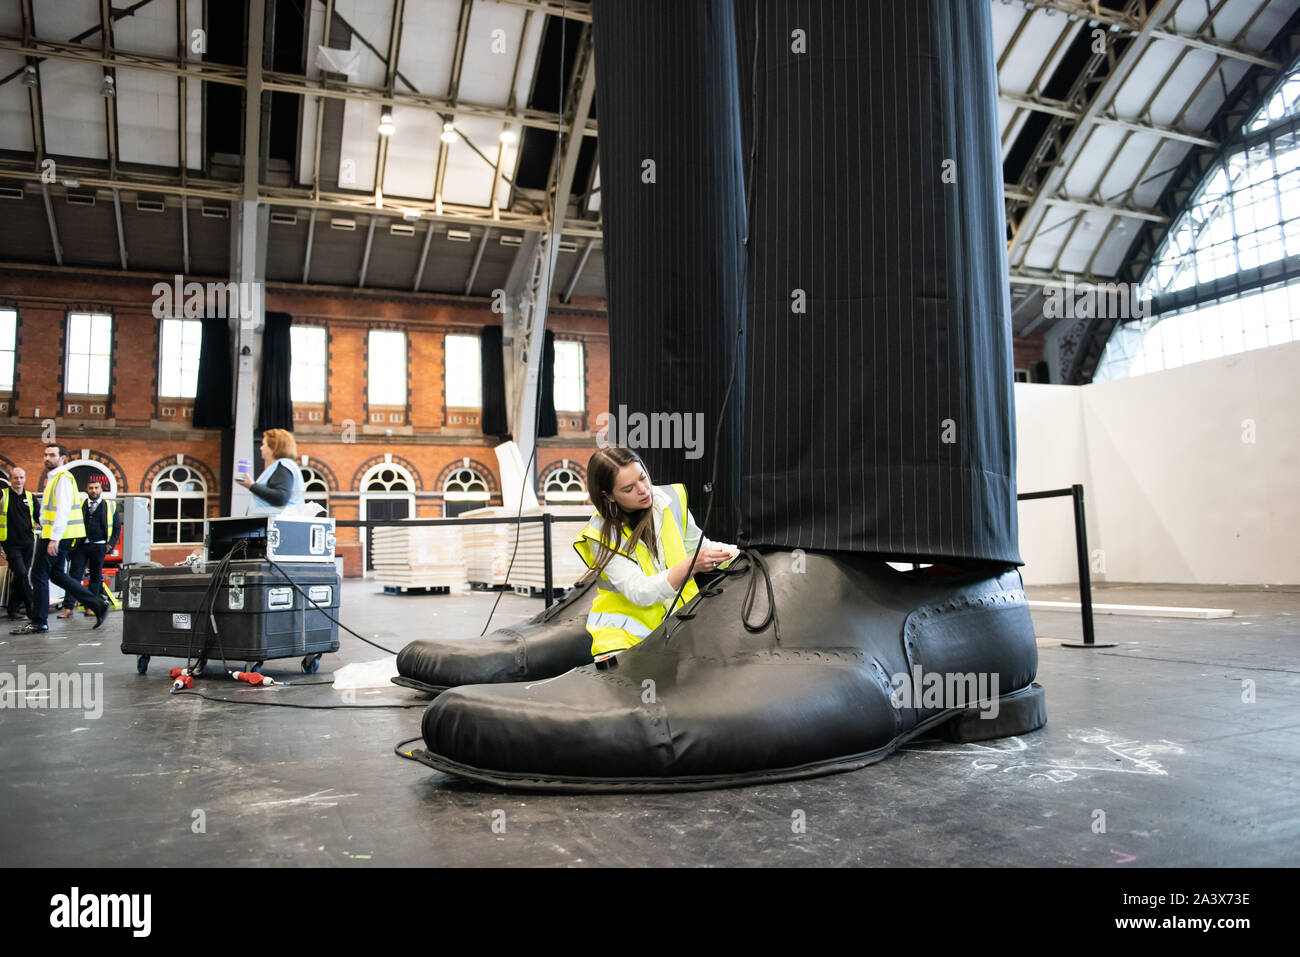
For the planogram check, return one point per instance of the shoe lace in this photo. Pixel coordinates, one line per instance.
(753, 560)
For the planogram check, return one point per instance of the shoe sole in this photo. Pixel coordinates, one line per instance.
(1019, 712)
(405, 682)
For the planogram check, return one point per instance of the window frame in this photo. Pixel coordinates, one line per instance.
(12, 350)
(179, 496)
(371, 380)
(324, 365)
(448, 366)
(181, 373)
(107, 358)
(581, 374)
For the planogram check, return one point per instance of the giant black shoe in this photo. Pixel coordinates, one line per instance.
(790, 665)
(548, 644)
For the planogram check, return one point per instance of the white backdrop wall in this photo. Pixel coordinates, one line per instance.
(1191, 475)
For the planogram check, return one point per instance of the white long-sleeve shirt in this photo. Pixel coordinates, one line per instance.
(626, 574)
(64, 493)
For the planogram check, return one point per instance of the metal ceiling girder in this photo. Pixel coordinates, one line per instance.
(1089, 205)
(276, 82)
(478, 258)
(390, 74)
(577, 272)
(1099, 101)
(365, 255)
(424, 257)
(1246, 98)
(1042, 104)
(221, 191)
(453, 91)
(555, 8)
(37, 114)
(311, 235)
(1095, 13)
(534, 331)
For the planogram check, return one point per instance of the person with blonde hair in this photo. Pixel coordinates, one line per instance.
(281, 483)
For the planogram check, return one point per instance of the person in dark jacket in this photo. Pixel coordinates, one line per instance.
(18, 526)
(102, 529)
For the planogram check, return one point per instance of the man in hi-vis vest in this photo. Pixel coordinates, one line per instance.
(99, 517)
(61, 525)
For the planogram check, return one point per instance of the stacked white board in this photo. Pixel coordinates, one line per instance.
(422, 557)
(488, 548)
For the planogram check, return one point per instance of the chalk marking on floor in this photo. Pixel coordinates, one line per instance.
(1067, 769)
(315, 799)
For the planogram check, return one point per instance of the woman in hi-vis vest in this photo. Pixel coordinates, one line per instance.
(640, 542)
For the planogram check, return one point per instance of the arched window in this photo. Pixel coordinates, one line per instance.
(180, 500)
(464, 489)
(1209, 280)
(387, 478)
(317, 489)
(563, 485)
(88, 470)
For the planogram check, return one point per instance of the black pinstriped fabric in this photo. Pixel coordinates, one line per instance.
(666, 88)
(876, 407)
(879, 415)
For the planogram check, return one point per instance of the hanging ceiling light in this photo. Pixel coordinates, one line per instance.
(509, 136)
(29, 76)
(108, 89)
(386, 123)
(448, 132)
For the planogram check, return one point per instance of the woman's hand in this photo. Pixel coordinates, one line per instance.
(244, 479)
(709, 559)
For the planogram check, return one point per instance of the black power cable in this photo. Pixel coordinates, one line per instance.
(742, 280)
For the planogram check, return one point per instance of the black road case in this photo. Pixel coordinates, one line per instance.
(270, 536)
(259, 615)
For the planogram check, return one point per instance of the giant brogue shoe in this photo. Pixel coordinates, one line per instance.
(548, 644)
(792, 664)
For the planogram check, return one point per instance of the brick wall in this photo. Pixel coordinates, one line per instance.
(135, 441)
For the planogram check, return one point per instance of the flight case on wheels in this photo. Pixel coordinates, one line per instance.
(259, 615)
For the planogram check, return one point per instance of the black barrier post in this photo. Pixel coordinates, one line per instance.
(547, 518)
(1081, 547)
(1085, 579)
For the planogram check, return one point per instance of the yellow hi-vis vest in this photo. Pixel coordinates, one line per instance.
(614, 621)
(76, 527)
(4, 512)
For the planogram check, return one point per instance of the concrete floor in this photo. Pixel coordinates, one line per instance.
(1153, 734)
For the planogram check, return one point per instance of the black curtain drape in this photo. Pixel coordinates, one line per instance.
(547, 424)
(673, 211)
(274, 403)
(495, 421)
(214, 396)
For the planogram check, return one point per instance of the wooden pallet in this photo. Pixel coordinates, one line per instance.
(421, 589)
(532, 591)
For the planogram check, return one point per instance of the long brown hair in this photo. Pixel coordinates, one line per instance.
(602, 470)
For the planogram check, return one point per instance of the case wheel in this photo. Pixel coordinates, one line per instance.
(141, 664)
(310, 664)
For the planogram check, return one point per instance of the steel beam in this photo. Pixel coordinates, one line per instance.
(1032, 218)
(1042, 104)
